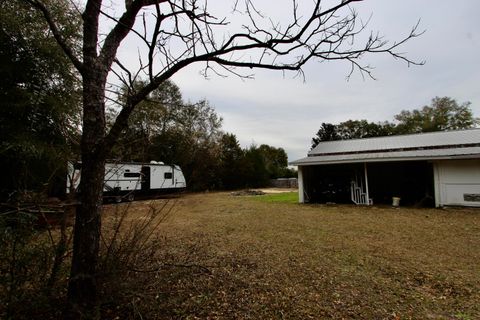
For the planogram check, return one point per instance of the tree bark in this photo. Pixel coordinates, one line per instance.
(82, 289)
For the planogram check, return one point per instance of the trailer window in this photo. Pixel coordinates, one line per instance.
(131, 174)
(168, 175)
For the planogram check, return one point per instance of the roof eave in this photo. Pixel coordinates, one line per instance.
(310, 162)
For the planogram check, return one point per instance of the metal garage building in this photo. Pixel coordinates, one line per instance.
(428, 169)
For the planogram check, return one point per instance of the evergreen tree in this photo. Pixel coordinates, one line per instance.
(39, 98)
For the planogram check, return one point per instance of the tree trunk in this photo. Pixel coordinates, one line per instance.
(82, 289)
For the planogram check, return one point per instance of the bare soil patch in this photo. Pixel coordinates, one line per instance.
(224, 257)
(278, 190)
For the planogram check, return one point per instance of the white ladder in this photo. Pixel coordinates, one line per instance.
(359, 191)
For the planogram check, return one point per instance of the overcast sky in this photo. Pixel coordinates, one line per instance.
(283, 111)
(286, 112)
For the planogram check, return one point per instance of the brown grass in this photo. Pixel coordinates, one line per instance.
(224, 257)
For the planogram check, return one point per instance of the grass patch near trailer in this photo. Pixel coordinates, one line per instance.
(225, 257)
(284, 197)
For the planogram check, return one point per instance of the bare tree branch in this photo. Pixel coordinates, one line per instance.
(323, 36)
(56, 33)
(122, 29)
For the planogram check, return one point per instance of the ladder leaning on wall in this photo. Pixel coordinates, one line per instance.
(359, 189)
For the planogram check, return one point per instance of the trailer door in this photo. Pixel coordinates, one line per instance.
(145, 178)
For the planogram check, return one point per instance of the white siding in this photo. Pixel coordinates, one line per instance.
(179, 179)
(455, 180)
(157, 174)
(301, 198)
(115, 177)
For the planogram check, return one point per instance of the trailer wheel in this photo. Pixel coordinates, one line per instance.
(117, 199)
(130, 197)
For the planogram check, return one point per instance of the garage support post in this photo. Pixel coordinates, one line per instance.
(301, 198)
(367, 194)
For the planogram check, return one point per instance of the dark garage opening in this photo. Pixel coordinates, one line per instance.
(411, 181)
(329, 183)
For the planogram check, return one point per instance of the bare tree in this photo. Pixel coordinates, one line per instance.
(176, 34)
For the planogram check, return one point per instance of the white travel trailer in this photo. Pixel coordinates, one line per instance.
(125, 179)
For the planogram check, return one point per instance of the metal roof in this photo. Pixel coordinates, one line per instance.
(435, 154)
(410, 141)
(424, 146)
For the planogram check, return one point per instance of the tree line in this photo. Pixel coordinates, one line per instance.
(40, 121)
(38, 142)
(443, 113)
(166, 128)
(40, 101)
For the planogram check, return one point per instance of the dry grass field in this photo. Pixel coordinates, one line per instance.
(266, 257)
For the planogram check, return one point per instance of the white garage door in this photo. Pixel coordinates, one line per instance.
(458, 182)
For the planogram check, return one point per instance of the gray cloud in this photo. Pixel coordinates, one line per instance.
(286, 112)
